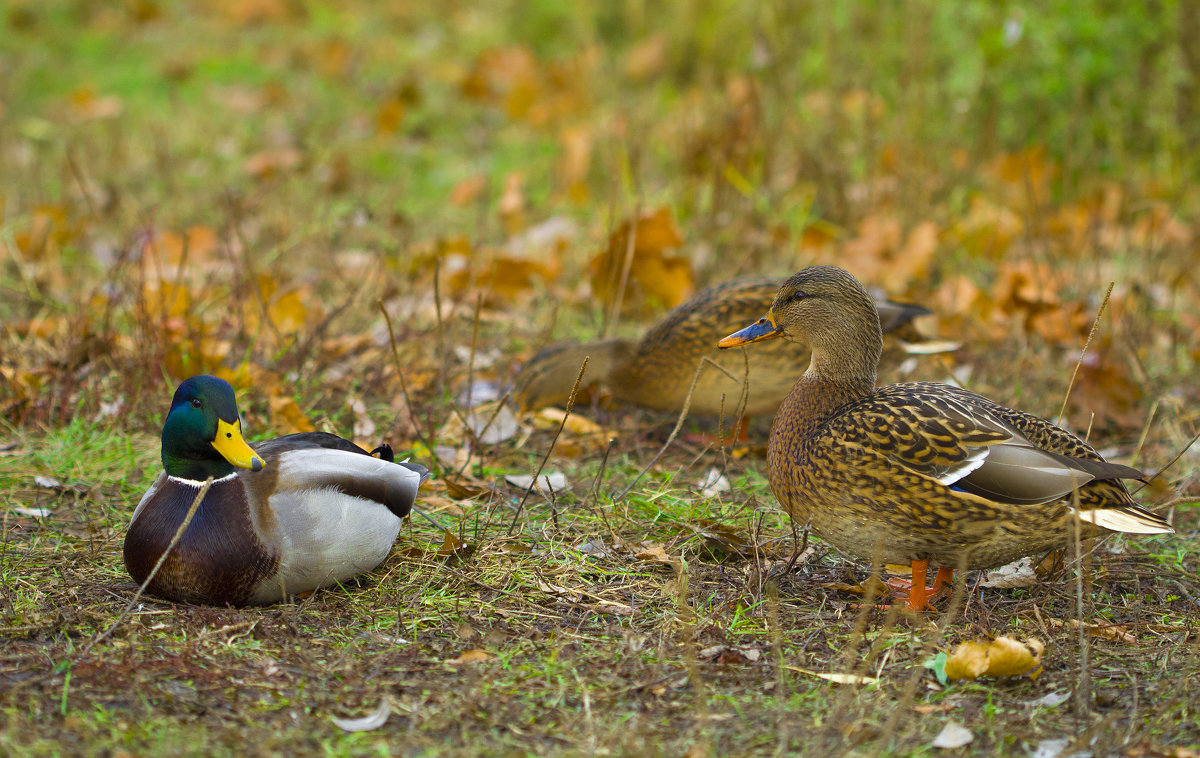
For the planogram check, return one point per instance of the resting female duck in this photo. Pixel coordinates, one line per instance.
(920, 473)
(656, 371)
(282, 517)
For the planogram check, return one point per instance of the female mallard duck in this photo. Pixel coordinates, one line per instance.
(285, 516)
(656, 371)
(924, 472)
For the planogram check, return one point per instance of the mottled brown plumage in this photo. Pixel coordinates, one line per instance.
(656, 371)
(921, 472)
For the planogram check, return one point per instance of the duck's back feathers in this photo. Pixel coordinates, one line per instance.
(317, 459)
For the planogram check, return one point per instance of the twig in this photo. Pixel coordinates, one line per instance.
(1145, 432)
(1083, 691)
(1170, 463)
(412, 414)
(626, 266)
(1083, 352)
(687, 405)
(187, 519)
(553, 442)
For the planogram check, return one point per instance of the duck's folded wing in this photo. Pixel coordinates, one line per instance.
(353, 473)
(937, 431)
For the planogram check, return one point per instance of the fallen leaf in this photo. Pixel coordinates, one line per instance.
(491, 423)
(655, 553)
(1003, 656)
(468, 190)
(450, 543)
(470, 656)
(953, 735)
(713, 484)
(546, 483)
(366, 723)
(270, 163)
(1110, 632)
(34, 512)
(1051, 699)
(550, 418)
(642, 264)
(1052, 748)
(968, 661)
(1016, 574)
(463, 490)
(835, 677)
(287, 417)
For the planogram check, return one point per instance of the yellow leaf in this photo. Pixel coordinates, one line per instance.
(288, 312)
(968, 661)
(389, 116)
(549, 418)
(471, 656)
(286, 415)
(1003, 656)
(651, 271)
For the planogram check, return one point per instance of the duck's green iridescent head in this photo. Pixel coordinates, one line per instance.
(202, 436)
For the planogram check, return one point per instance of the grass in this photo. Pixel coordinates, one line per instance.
(315, 154)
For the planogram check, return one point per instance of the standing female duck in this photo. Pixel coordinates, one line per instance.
(923, 472)
(285, 516)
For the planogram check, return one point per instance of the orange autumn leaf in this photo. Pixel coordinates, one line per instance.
(268, 164)
(641, 247)
(468, 190)
(286, 415)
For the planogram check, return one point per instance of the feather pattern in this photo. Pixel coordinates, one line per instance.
(921, 471)
(315, 510)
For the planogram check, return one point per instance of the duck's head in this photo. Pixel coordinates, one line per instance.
(828, 309)
(202, 436)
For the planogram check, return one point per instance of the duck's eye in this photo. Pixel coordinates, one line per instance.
(799, 295)
(196, 402)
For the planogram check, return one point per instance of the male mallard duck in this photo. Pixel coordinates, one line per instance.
(921, 472)
(282, 517)
(656, 371)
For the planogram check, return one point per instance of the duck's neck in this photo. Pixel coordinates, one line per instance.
(834, 378)
(849, 358)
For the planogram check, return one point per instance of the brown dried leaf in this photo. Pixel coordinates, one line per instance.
(461, 489)
(450, 543)
(655, 553)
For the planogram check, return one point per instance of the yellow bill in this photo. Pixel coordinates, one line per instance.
(233, 448)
